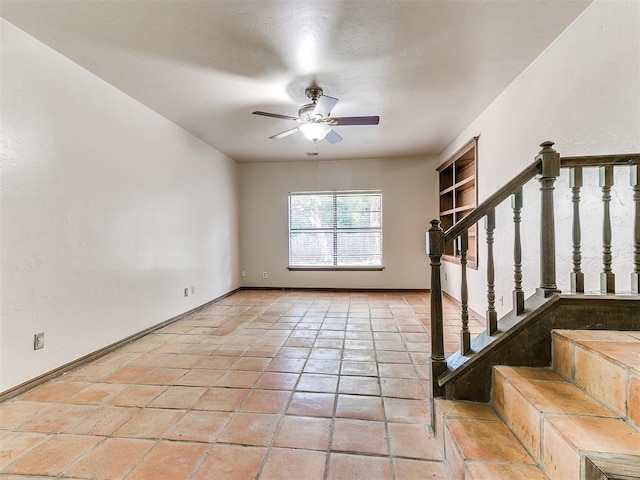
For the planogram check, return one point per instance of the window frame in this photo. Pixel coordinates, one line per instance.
(335, 230)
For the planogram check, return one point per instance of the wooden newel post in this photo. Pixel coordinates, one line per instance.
(549, 171)
(435, 250)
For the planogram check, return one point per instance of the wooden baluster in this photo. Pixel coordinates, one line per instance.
(607, 278)
(635, 275)
(549, 171)
(577, 277)
(465, 335)
(435, 250)
(518, 293)
(492, 315)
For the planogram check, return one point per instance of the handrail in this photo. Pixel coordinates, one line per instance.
(493, 201)
(527, 174)
(600, 160)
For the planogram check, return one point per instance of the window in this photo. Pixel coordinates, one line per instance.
(335, 230)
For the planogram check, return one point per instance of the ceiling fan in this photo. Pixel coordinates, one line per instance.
(316, 120)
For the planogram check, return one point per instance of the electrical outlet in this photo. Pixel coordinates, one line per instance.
(38, 341)
(265, 275)
(243, 273)
(502, 300)
(186, 292)
(193, 289)
(445, 276)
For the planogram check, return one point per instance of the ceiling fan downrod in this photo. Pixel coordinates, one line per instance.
(314, 93)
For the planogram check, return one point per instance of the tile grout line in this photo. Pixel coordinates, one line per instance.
(384, 411)
(282, 414)
(240, 353)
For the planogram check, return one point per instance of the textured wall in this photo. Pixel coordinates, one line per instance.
(407, 185)
(582, 93)
(108, 212)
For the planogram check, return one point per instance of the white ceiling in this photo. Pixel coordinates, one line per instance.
(427, 67)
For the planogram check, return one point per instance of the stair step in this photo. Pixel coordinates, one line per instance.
(569, 438)
(606, 364)
(525, 396)
(545, 423)
(478, 445)
(557, 422)
(503, 471)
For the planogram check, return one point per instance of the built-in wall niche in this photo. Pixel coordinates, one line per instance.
(458, 196)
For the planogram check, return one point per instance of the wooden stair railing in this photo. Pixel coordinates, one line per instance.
(546, 167)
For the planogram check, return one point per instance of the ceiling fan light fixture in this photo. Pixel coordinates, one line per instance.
(315, 131)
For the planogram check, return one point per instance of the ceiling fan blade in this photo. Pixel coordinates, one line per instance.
(332, 137)
(276, 115)
(324, 106)
(373, 120)
(285, 133)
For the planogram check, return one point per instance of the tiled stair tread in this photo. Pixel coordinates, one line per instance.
(622, 348)
(462, 409)
(502, 471)
(445, 409)
(486, 440)
(529, 373)
(595, 434)
(624, 353)
(484, 445)
(605, 364)
(598, 335)
(551, 396)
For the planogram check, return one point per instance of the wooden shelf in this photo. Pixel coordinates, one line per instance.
(458, 197)
(464, 208)
(467, 183)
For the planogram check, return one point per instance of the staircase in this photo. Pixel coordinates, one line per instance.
(521, 338)
(579, 419)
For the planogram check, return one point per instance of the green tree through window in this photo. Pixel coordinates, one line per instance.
(335, 229)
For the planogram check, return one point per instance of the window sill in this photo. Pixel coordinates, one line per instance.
(335, 269)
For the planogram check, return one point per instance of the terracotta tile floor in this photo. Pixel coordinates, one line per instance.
(262, 384)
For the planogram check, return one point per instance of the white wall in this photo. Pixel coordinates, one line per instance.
(108, 212)
(583, 93)
(407, 185)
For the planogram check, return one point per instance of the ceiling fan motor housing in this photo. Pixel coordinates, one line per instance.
(306, 112)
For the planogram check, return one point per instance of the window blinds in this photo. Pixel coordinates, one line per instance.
(335, 229)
